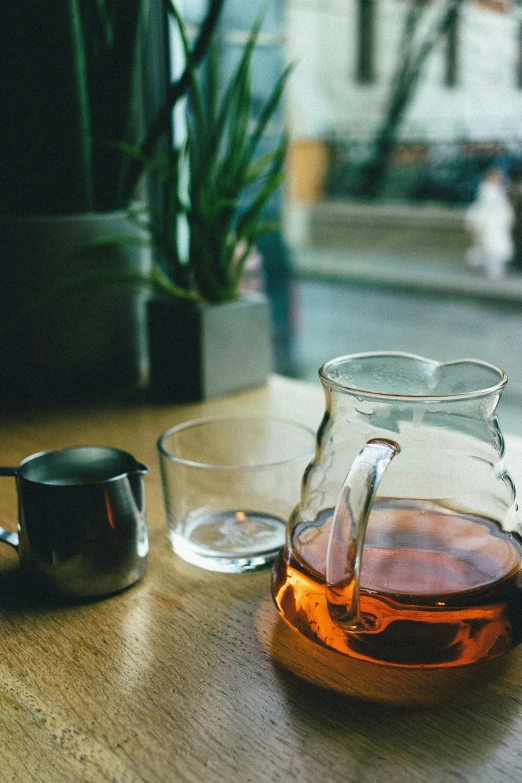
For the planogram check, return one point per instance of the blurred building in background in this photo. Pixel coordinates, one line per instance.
(462, 112)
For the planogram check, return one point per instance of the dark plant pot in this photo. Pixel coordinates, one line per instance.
(201, 351)
(78, 345)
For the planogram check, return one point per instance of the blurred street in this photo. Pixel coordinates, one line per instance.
(347, 301)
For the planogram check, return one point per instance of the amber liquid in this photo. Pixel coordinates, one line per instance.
(438, 587)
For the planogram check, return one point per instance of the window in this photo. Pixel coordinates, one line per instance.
(366, 42)
(519, 58)
(452, 49)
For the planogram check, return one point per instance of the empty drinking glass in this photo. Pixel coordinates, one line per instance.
(230, 485)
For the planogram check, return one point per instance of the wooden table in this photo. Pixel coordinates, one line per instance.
(184, 677)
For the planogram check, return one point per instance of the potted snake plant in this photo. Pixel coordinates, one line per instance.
(206, 335)
(73, 83)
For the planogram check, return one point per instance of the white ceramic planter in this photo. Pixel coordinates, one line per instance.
(202, 351)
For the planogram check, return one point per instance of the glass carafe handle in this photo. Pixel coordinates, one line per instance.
(345, 545)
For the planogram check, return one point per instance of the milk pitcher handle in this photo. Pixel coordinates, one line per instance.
(345, 545)
(6, 536)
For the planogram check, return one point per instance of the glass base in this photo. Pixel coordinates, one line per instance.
(230, 541)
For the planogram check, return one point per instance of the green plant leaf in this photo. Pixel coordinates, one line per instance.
(235, 86)
(196, 93)
(227, 188)
(273, 180)
(268, 111)
(212, 82)
(253, 213)
(259, 168)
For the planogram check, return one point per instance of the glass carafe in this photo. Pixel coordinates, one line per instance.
(406, 548)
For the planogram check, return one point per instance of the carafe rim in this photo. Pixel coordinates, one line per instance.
(332, 384)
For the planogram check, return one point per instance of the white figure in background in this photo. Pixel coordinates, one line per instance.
(490, 221)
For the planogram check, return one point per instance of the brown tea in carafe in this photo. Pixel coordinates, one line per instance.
(438, 586)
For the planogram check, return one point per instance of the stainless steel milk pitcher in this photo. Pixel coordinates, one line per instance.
(81, 520)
